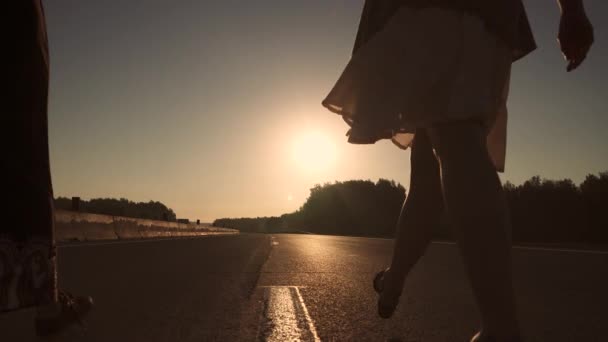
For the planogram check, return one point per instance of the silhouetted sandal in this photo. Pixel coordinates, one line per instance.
(71, 310)
(385, 310)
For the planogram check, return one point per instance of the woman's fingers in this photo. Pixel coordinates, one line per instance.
(577, 57)
(573, 64)
(575, 38)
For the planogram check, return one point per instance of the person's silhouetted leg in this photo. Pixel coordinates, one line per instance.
(28, 276)
(419, 215)
(477, 207)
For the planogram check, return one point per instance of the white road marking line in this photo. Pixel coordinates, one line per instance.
(566, 250)
(540, 249)
(282, 313)
(120, 242)
(286, 316)
(275, 243)
(311, 325)
(544, 249)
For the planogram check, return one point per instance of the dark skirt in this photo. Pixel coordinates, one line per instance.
(424, 68)
(505, 18)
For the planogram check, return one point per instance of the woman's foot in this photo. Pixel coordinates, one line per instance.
(388, 294)
(67, 311)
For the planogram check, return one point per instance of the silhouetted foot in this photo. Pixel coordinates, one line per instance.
(388, 299)
(69, 310)
(479, 337)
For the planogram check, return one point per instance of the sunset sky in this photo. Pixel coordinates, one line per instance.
(213, 107)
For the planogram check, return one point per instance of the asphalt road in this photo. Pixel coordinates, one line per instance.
(310, 288)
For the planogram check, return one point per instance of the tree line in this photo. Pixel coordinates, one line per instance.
(121, 207)
(542, 211)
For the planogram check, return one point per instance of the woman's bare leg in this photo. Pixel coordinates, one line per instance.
(419, 215)
(477, 207)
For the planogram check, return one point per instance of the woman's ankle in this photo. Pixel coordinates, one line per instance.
(393, 281)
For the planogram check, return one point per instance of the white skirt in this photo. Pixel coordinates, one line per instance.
(426, 67)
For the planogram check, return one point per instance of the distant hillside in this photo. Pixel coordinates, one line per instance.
(121, 207)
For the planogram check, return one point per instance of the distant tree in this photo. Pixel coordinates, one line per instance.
(542, 210)
(594, 191)
(547, 211)
(63, 203)
(250, 225)
(120, 207)
(355, 207)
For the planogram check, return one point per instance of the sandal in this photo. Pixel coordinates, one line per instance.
(72, 310)
(385, 310)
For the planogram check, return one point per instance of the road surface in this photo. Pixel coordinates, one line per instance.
(310, 288)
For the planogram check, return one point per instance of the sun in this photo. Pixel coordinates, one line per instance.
(313, 151)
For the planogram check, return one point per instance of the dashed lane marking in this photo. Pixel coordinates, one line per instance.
(311, 326)
(286, 317)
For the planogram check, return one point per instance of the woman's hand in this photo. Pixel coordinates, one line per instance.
(575, 36)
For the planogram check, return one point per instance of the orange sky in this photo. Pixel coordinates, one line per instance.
(214, 108)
